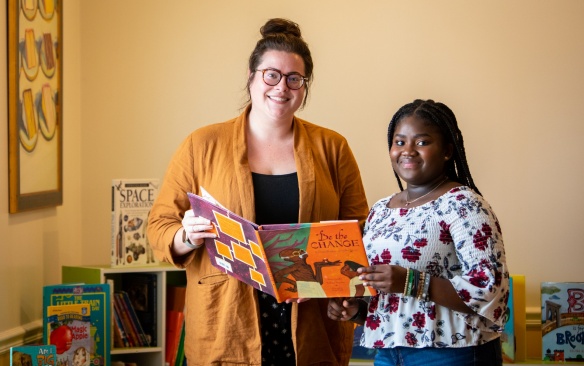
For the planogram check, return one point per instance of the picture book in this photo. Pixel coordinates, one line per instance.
(131, 203)
(40, 355)
(142, 292)
(562, 321)
(287, 261)
(98, 297)
(68, 329)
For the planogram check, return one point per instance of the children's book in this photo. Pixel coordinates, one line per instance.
(562, 321)
(68, 329)
(132, 200)
(98, 297)
(287, 261)
(40, 355)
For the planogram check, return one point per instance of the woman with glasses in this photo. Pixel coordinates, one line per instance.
(436, 252)
(270, 167)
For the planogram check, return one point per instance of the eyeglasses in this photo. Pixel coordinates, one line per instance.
(272, 77)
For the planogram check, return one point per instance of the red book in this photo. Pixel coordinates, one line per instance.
(174, 323)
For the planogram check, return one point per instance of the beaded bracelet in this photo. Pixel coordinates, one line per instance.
(418, 293)
(425, 295)
(406, 284)
(409, 282)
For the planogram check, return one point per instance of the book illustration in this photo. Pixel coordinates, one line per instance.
(98, 297)
(287, 261)
(40, 355)
(562, 323)
(132, 200)
(68, 327)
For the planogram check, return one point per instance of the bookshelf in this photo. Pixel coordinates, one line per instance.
(165, 275)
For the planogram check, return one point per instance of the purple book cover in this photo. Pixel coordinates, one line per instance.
(236, 250)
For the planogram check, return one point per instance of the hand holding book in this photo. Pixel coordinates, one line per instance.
(288, 261)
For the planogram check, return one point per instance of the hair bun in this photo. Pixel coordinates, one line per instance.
(280, 25)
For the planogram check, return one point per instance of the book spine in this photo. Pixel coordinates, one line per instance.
(119, 331)
(127, 324)
(135, 321)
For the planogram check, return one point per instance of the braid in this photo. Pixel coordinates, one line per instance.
(457, 168)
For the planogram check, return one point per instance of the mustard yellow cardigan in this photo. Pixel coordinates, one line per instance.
(222, 319)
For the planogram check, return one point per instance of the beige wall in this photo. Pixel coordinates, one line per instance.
(140, 75)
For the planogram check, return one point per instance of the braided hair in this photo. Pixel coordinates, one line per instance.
(440, 115)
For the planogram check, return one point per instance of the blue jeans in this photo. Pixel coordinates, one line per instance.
(488, 354)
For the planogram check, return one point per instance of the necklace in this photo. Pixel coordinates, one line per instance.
(424, 195)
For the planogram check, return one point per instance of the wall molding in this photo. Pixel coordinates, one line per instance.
(25, 334)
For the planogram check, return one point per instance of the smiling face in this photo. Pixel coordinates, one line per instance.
(418, 153)
(278, 102)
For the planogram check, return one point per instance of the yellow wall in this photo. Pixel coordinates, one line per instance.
(140, 75)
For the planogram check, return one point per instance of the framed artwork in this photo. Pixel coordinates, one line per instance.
(35, 96)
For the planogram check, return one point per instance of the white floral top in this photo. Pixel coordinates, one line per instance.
(457, 237)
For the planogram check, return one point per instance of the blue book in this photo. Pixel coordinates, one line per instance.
(33, 355)
(98, 296)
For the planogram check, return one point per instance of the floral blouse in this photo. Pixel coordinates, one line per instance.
(456, 237)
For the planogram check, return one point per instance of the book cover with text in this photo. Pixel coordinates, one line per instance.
(562, 321)
(69, 329)
(98, 297)
(132, 200)
(40, 355)
(287, 261)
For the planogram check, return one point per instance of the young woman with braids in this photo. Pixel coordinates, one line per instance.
(436, 253)
(269, 167)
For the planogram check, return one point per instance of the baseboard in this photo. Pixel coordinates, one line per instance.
(25, 334)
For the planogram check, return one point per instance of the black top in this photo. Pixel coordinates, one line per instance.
(277, 201)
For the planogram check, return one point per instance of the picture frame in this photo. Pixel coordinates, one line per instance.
(35, 97)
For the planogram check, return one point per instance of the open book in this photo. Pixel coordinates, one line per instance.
(287, 261)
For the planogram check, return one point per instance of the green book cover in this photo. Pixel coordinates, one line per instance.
(98, 296)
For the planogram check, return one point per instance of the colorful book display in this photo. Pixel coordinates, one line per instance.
(68, 328)
(131, 203)
(33, 355)
(98, 297)
(287, 261)
(562, 322)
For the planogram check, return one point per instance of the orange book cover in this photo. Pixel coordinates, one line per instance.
(287, 261)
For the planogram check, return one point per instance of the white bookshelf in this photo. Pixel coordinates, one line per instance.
(165, 275)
